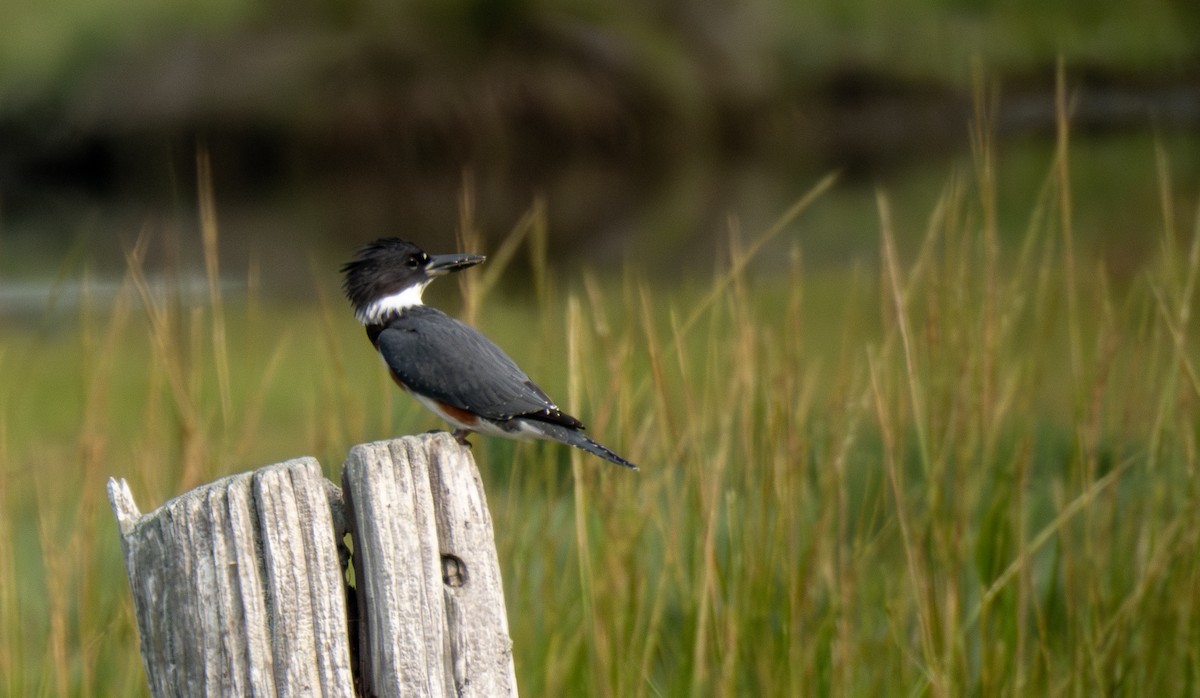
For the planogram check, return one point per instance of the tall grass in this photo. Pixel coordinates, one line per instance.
(966, 469)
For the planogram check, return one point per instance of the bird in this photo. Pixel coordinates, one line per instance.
(447, 365)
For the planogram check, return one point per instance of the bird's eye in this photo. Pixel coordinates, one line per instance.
(413, 261)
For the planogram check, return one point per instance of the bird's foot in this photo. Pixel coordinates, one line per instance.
(460, 435)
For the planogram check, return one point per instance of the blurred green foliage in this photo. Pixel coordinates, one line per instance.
(687, 51)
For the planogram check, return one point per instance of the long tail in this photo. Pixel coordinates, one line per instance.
(576, 438)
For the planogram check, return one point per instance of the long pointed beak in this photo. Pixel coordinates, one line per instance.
(445, 263)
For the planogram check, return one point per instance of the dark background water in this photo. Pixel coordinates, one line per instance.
(644, 130)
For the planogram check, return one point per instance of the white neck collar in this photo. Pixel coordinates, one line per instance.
(378, 310)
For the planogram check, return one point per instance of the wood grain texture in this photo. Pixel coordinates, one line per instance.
(237, 586)
(430, 593)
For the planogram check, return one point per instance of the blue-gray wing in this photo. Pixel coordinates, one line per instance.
(439, 357)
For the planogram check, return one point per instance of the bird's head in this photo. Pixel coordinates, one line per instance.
(388, 275)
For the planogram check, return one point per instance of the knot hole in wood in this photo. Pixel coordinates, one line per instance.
(454, 571)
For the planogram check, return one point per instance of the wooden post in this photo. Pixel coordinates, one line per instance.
(238, 587)
(431, 600)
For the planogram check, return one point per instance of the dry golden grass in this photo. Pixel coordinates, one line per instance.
(970, 470)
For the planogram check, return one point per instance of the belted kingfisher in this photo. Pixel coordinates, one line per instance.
(447, 365)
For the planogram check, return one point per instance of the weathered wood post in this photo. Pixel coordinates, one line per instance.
(239, 589)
